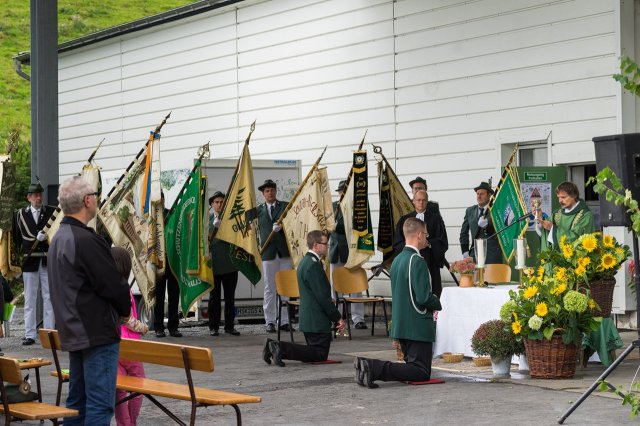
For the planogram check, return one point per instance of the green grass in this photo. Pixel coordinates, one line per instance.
(75, 19)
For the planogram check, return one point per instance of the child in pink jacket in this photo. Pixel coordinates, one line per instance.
(127, 412)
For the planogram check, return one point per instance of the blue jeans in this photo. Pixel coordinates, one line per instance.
(92, 385)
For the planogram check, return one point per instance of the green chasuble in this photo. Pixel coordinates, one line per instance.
(573, 224)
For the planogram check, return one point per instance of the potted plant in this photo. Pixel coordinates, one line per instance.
(593, 261)
(465, 268)
(493, 338)
(550, 316)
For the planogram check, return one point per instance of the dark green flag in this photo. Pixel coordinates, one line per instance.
(186, 232)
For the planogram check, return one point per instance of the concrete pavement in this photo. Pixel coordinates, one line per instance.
(301, 394)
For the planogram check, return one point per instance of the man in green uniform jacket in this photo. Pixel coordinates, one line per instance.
(477, 221)
(317, 310)
(276, 255)
(571, 220)
(412, 313)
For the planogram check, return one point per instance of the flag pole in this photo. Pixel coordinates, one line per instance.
(351, 169)
(203, 151)
(504, 175)
(284, 213)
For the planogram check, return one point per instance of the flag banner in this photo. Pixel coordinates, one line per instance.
(505, 208)
(310, 210)
(90, 173)
(133, 215)
(239, 224)
(360, 193)
(186, 233)
(361, 247)
(394, 203)
(7, 193)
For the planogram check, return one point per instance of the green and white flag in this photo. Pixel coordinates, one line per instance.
(186, 232)
(506, 208)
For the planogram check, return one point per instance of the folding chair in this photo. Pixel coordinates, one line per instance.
(349, 281)
(497, 273)
(287, 286)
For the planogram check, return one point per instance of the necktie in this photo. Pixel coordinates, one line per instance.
(36, 215)
(272, 211)
(480, 211)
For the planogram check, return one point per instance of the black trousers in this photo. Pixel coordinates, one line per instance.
(169, 283)
(227, 282)
(417, 356)
(316, 349)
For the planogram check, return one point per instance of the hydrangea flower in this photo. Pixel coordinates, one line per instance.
(575, 302)
(535, 322)
(506, 311)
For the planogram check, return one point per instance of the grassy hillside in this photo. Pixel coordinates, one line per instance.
(75, 18)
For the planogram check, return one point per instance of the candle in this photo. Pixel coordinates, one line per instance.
(522, 254)
(480, 252)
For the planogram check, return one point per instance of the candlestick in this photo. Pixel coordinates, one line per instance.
(481, 245)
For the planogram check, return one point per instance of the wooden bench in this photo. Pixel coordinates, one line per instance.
(33, 410)
(171, 355)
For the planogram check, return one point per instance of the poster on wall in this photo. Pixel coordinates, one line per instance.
(537, 191)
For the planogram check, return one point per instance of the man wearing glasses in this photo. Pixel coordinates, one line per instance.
(436, 244)
(317, 310)
(29, 224)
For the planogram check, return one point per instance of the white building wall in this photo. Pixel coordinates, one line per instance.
(440, 85)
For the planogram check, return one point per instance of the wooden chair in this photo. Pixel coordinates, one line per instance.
(349, 281)
(497, 273)
(287, 286)
(32, 410)
(51, 340)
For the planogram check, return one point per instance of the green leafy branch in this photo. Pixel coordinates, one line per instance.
(629, 77)
(606, 182)
(630, 398)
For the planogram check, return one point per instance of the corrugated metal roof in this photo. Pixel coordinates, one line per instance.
(140, 24)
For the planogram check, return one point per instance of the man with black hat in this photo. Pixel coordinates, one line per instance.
(225, 274)
(419, 184)
(276, 255)
(338, 254)
(29, 224)
(477, 221)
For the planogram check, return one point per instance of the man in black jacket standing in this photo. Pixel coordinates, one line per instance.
(437, 241)
(29, 224)
(89, 298)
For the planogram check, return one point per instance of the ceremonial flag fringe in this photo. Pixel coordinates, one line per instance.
(133, 215)
(309, 210)
(394, 203)
(10, 264)
(355, 211)
(505, 208)
(186, 233)
(239, 223)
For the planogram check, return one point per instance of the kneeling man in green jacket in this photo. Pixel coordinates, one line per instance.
(317, 310)
(413, 304)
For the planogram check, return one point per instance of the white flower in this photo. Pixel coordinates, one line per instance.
(535, 322)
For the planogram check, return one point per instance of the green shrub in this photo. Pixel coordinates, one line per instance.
(494, 338)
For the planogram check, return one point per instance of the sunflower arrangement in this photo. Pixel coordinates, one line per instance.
(589, 258)
(548, 305)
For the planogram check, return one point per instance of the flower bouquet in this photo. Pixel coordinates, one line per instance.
(465, 268)
(550, 315)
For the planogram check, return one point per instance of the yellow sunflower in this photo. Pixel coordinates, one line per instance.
(541, 309)
(589, 243)
(516, 327)
(619, 251)
(540, 273)
(561, 288)
(581, 270)
(608, 240)
(529, 292)
(584, 261)
(561, 274)
(608, 261)
(563, 240)
(592, 304)
(567, 251)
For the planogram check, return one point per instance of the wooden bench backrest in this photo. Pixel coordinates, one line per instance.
(43, 333)
(167, 354)
(10, 370)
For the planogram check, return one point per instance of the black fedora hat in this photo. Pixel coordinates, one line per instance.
(342, 186)
(267, 184)
(35, 188)
(217, 194)
(418, 180)
(484, 185)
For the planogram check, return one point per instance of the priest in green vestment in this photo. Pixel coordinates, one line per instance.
(571, 220)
